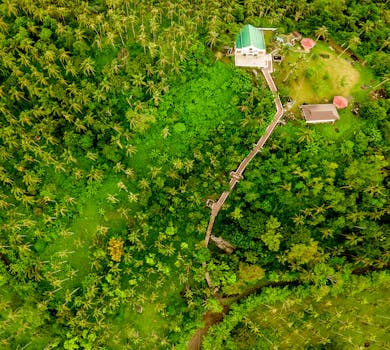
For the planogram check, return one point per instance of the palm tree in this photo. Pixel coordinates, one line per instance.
(165, 132)
(53, 72)
(15, 94)
(130, 150)
(154, 25)
(95, 175)
(153, 49)
(99, 95)
(142, 38)
(321, 32)
(353, 42)
(212, 38)
(25, 61)
(10, 8)
(367, 26)
(144, 184)
(306, 135)
(133, 19)
(138, 79)
(87, 66)
(386, 78)
(70, 69)
(132, 197)
(3, 25)
(118, 25)
(111, 36)
(98, 42)
(156, 97)
(385, 44)
(154, 171)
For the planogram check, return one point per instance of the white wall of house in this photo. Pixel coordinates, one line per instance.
(258, 61)
(320, 121)
(250, 50)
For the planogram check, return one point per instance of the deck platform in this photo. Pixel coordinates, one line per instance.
(260, 61)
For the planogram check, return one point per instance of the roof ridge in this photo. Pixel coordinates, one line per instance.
(250, 35)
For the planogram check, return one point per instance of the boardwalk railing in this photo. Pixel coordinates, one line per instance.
(237, 175)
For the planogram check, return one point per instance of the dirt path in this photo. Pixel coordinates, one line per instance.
(213, 318)
(209, 319)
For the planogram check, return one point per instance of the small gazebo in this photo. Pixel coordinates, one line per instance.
(307, 44)
(340, 102)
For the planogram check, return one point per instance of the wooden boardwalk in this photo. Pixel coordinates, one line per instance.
(237, 175)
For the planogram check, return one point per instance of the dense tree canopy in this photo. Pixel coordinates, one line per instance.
(119, 119)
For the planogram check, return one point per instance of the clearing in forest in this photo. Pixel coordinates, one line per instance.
(317, 76)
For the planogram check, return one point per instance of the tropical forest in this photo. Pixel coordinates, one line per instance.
(156, 193)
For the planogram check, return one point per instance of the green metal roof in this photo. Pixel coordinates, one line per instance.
(250, 36)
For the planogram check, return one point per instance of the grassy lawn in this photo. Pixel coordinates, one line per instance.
(368, 79)
(318, 76)
(268, 35)
(343, 129)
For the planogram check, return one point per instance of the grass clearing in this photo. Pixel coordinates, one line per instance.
(317, 76)
(367, 80)
(343, 129)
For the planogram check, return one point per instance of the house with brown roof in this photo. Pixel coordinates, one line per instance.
(319, 113)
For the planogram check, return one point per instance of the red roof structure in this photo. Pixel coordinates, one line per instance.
(340, 102)
(307, 44)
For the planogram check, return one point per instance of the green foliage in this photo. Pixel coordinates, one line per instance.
(203, 255)
(116, 125)
(351, 312)
(250, 273)
(272, 237)
(373, 110)
(301, 254)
